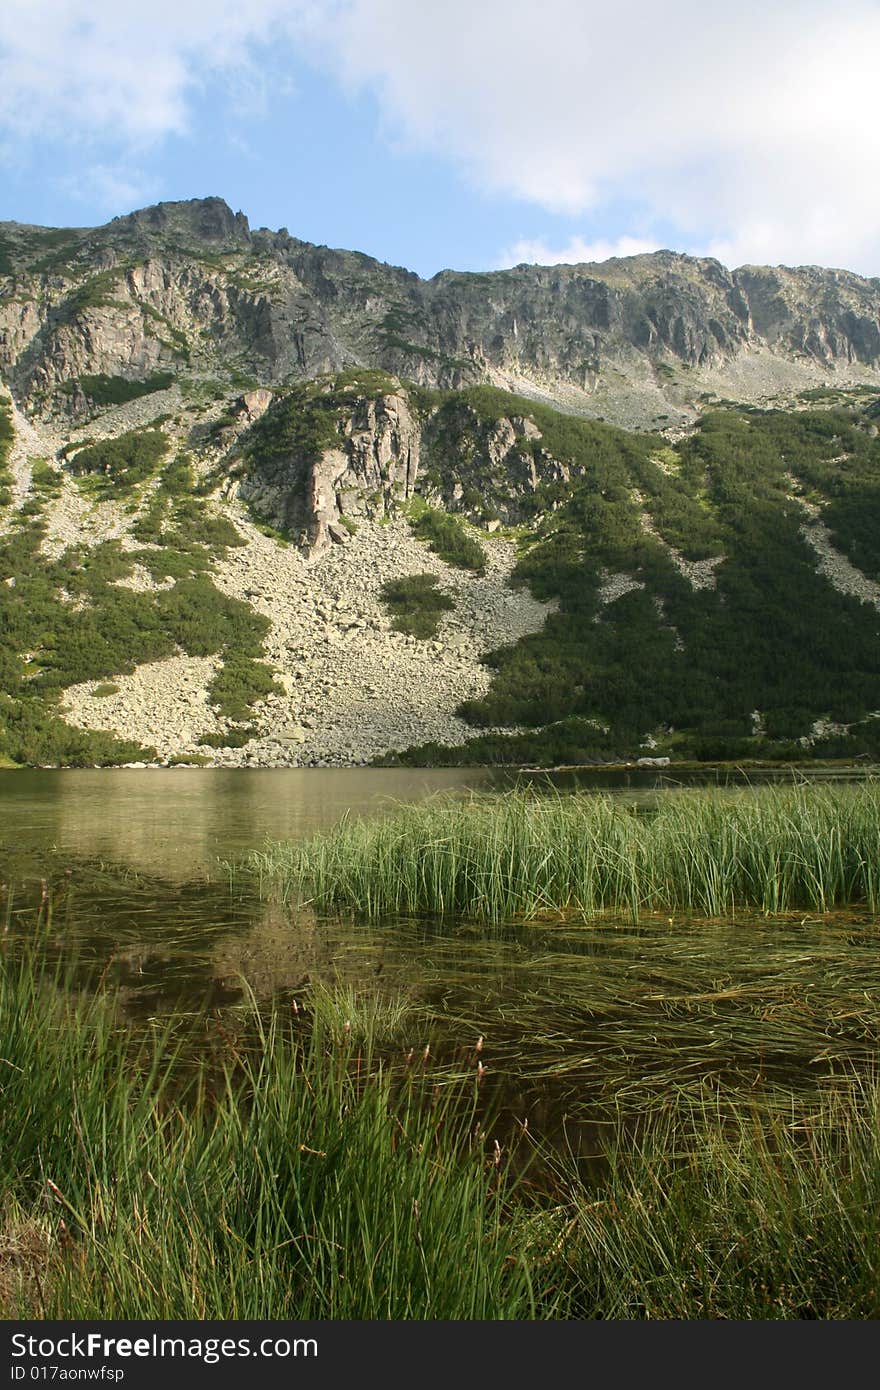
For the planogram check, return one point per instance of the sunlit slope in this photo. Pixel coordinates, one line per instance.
(719, 597)
(713, 597)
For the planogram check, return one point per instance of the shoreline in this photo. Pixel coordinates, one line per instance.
(842, 767)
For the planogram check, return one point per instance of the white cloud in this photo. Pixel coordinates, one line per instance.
(112, 189)
(575, 252)
(751, 125)
(125, 72)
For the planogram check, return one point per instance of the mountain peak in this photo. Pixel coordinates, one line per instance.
(206, 219)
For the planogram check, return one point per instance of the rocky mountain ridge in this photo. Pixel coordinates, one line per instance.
(264, 503)
(188, 289)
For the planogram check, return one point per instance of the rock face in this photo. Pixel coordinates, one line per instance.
(827, 315)
(189, 287)
(385, 448)
(375, 467)
(367, 473)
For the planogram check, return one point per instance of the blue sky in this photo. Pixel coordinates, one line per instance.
(467, 134)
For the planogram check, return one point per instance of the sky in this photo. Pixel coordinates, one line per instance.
(470, 134)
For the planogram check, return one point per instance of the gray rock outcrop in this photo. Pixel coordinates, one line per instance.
(191, 287)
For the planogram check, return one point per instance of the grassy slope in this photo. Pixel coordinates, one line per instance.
(691, 666)
(68, 620)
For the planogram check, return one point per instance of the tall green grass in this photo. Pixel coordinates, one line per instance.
(751, 1217)
(523, 855)
(296, 1177)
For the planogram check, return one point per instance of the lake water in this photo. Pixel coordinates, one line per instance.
(178, 823)
(122, 867)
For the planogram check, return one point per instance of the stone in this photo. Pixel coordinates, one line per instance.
(253, 404)
(292, 733)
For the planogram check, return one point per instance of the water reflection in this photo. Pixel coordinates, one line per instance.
(178, 822)
(575, 1020)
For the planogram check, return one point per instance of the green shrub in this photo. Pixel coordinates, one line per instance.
(772, 635)
(298, 428)
(7, 433)
(120, 465)
(45, 479)
(178, 478)
(217, 532)
(118, 390)
(7, 437)
(170, 562)
(202, 620)
(109, 631)
(231, 738)
(238, 685)
(95, 293)
(30, 733)
(416, 604)
(447, 537)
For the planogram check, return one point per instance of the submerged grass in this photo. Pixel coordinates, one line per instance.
(299, 1178)
(305, 1166)
(638, 1015)
(522, 855)
(305, 1178)
(703, 1108)
(758, 1217)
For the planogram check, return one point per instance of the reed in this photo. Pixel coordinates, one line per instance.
(754, 1216)
(526, 855)
(300, 1178)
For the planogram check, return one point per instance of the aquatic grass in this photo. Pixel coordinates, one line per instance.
(298, 1169)
(363, 1016)
(60, 1054)
(296, 1175)
(525, 855)
(587, 1020)
(703, 1215)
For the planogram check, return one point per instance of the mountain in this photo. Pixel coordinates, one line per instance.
(642, 341)
(265, 503)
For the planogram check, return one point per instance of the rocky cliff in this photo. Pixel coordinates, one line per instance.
(190, 289)
(326, 456)
(481, 563)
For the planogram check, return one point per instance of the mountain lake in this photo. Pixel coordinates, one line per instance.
(127, 871)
